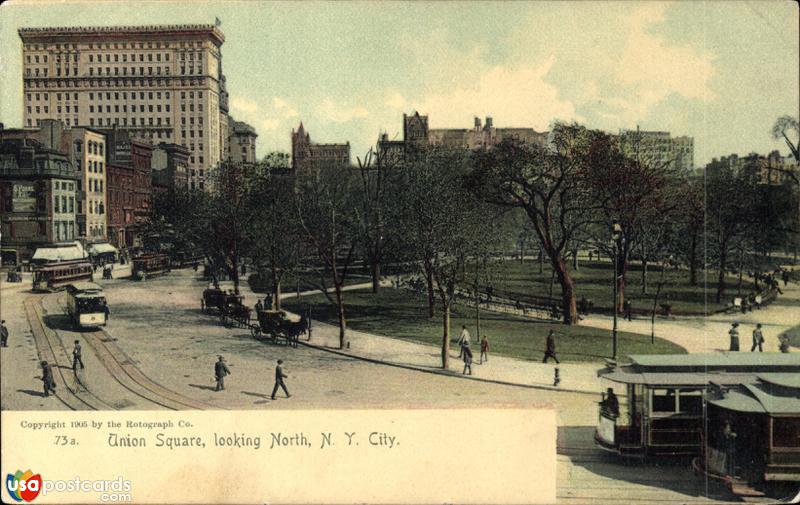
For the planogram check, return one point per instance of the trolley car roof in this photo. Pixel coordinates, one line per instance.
(701, 369)
(763, 396)
(84, 287)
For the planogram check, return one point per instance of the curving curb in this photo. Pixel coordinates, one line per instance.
(445, 373)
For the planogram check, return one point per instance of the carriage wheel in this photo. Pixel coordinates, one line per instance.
(255, 331)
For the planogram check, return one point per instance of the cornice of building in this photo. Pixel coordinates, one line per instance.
(31, 33)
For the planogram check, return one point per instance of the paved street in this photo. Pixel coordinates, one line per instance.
(158, 351)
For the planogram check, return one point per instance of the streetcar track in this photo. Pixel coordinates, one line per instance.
(46, 352)
(134, 380)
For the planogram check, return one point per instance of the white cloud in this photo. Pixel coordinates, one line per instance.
(244, 105)
(337, 113)
(518, 97)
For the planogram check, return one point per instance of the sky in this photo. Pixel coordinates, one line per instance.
(720, 72)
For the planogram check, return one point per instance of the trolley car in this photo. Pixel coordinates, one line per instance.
(663, 411)
(752, 440)
(86, 304)
(53, 276)
(149, 265)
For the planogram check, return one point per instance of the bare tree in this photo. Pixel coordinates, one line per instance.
(788, 129)
(548, 183)
(323, 202)
(450, 229)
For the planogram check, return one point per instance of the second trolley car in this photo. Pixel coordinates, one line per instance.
(53, 276)
(149, 265)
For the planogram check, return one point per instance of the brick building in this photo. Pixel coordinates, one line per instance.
(38, 203)
(308, 156)
(169, 166)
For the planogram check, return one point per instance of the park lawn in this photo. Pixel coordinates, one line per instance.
(794, 335)
(289, 284)
(400, 314)
(522, 281)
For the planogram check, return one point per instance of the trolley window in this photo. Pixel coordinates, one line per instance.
(87, 305)
(664, 400)
(786, 432)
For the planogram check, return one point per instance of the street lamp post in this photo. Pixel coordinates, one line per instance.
(616, 233)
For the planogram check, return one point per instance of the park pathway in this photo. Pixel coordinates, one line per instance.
(710, 334)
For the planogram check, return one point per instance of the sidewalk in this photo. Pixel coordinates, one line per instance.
(575, 377)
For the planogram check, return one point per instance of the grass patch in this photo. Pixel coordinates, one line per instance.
(399, 314)
(794, 335)
(593, 280)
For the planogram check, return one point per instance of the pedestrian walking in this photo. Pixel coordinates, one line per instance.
(3, 334)
(76, 356)
(220, 371)
(784, 346)
(484, 350)
(628, 309)
(734, 334)
(106, 310)
(463, 340)
(550, 348)
(467, 361)
(48, 382)
(279, 376)
(785, 276)
(758, 339)
(583, 306)
(259, 306)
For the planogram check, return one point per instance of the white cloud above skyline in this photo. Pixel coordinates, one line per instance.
(719, 73)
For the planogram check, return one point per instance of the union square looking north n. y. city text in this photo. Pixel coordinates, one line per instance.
(282, 209)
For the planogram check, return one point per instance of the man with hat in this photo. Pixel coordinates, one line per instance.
(220, 371)
(758, 339)
(48, 382)
(734, 333)
(3, 334)
(279, 376)
(76, 356)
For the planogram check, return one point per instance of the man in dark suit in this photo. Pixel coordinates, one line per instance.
(279, 376)
(48, 382)
(220, 371)
(76, 356)
(3, 334)
(550, 347)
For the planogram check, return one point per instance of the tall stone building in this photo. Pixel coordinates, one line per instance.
(169, 167)
(308, 156)
(160, 83)
(661, 148)
(242, 142)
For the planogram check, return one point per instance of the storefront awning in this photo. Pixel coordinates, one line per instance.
(102, 248)
(58, 253)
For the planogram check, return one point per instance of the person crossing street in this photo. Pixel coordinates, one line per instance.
(550, 348)
(279, 376)
(76, 356)
(758, 339)
(220, 371)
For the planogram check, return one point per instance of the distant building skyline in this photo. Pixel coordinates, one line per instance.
(704, 70)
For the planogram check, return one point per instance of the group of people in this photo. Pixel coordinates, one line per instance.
(265, 305)
(221, 370)
(466, 350)
(758, 339)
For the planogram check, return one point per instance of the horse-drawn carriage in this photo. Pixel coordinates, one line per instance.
(230, 307)
(279, 324)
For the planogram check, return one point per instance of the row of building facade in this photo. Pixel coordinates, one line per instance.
(655, 146)
(111, 114)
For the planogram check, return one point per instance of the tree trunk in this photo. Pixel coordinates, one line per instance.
(541, 261)
(276, 290)
(429, 282)
(575, 260)
(644, 276)
(570, 309)
(340, 314)
(234, 271)
(477, 315)
(721, 277)
(376, 276)
(445, 335)
(693, 260)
